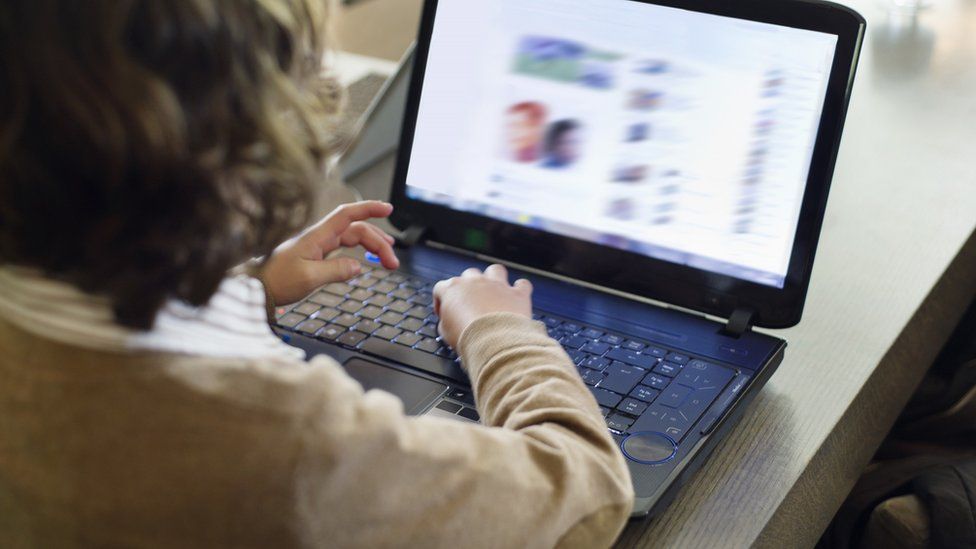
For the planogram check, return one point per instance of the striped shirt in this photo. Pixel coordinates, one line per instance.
(232, 325)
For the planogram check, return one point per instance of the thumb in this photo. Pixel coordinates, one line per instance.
(337, 269)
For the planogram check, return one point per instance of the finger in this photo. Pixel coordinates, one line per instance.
(337, 269)
(438, 292)
(342, 217)
(472, 272)
(497, 272)
(383, 234)
(523, 285)
(369, 237)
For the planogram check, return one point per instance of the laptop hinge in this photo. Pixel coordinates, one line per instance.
(739, 322)
(412, 236)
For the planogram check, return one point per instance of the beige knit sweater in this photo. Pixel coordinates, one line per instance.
(146, 449)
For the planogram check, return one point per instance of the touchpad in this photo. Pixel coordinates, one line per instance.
(416, 392)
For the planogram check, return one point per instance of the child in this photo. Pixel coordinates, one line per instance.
(146, 148)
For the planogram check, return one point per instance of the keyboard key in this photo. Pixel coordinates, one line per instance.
(411, 324)
(436, 365)
(387, 332)
(678, 358)
(571, 328)
(573, 342)
(399, 306)
(668, 369)
(656, 352)
(605, 411)
(311, 326)
(619, 422)
(360, 294)
(621, 378)
(656, 381)
(632, 406)
(551, 322)
(351, 306)
(380, 300)
(591, 377)
(408, 339)
(633, 345)
(371, 312)
(423, 298)
(415, 283)
(606, 398)
(428, 345)
(432, 319)
(326, 299)
(330, 332)
(470, 413)
(595, 348)
(449, 407)
(591, 333)
(391, 318)
(644, 393)
(612, 339)
(418, 311)
(351, 338)
(290, 320)
(402, 293)
(339, 288)
(674, 396)
(396, 278)
(699, 374)
(380, 273)
(384, 287)
(631, 357)
(365, 282)
(576, 356)
(307, 308)
(367, 326)
(429, 330)
(327, 314)
(346, 320)
(595, 362)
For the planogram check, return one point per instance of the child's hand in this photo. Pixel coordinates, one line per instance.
(461, 300)
(299, 266)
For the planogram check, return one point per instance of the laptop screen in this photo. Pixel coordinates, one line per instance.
(682, 136)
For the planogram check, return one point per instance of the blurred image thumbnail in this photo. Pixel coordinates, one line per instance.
(563, 144)
(525, 124)
(568, 61)
(550, 58)
(631, 173)
(640, 131)
(644, 100)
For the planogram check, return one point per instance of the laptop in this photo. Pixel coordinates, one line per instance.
(658, 169)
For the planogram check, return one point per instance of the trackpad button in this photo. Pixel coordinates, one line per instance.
(416, 392)
(649, 447)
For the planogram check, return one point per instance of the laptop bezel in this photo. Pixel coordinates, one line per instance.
(637, 274)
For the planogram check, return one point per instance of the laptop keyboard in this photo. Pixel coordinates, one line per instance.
(640, 385)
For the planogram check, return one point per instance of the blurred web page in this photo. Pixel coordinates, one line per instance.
(681, 136)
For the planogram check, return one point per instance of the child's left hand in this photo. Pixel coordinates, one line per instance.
(299, 266)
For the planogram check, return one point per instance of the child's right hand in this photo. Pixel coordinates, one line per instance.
(461, 300)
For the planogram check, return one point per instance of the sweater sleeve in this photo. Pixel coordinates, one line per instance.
(542, 471)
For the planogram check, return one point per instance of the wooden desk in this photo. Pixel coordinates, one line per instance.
(896, 268)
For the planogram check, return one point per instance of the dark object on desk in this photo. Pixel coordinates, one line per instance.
(919, 491)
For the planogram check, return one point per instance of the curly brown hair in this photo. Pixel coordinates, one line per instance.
(147, 147)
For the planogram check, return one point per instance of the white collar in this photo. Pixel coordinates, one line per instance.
(233, 325)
